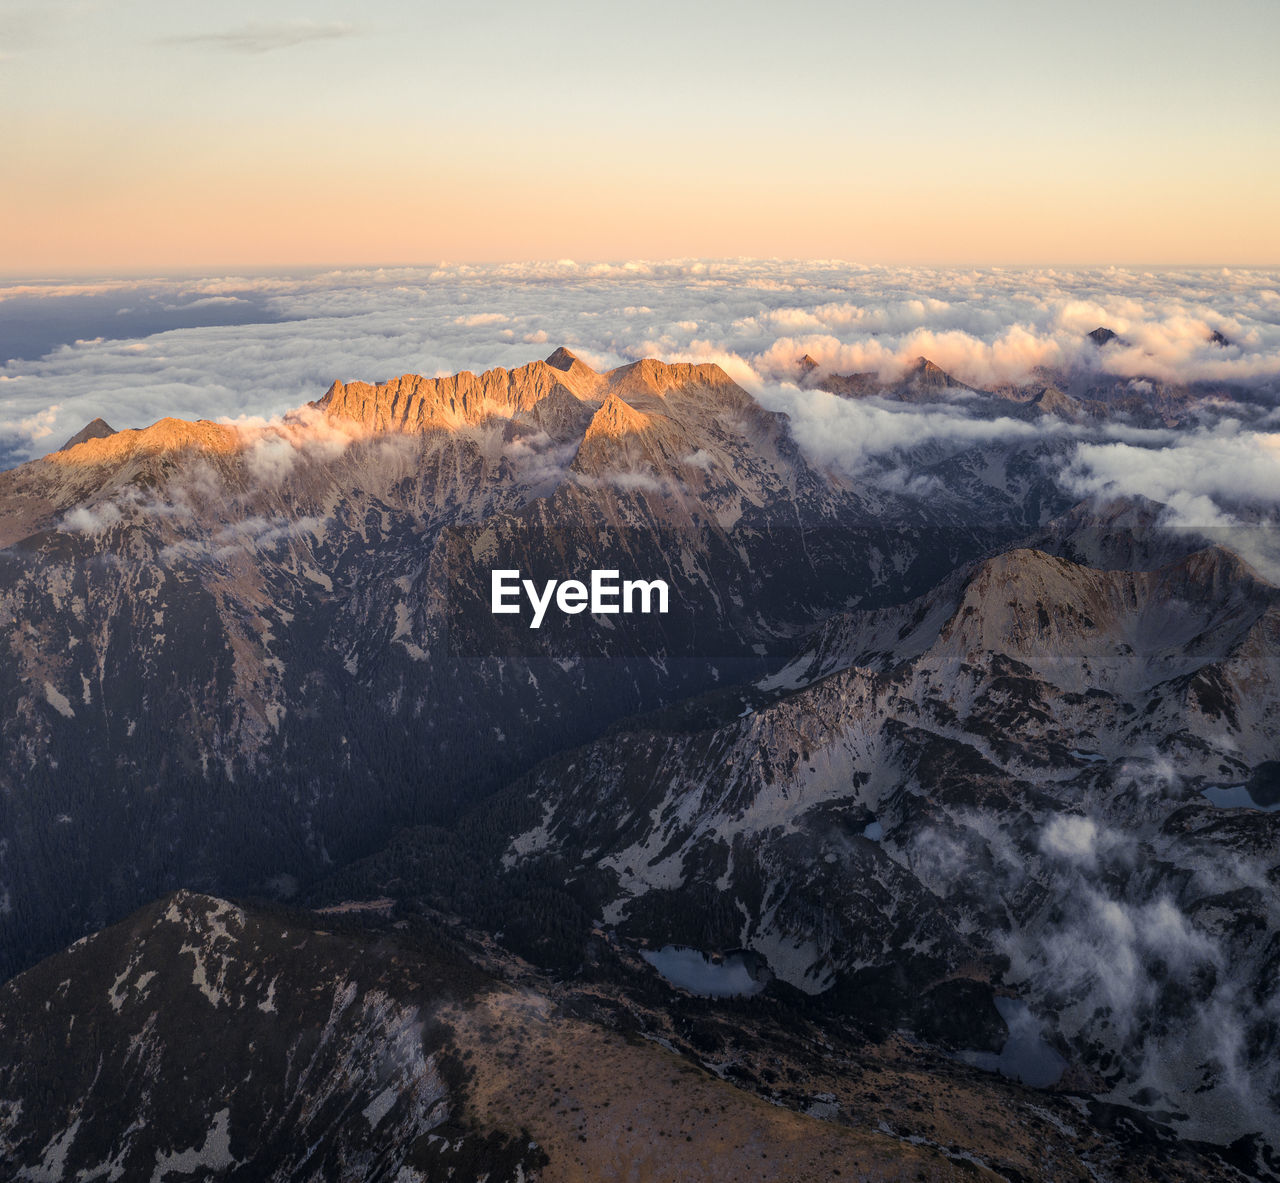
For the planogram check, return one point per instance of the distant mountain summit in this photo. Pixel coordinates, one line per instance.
(925, 373)
(1052, 401)
(922, 381)
(923, 377)
(562, 359)
(95, 429)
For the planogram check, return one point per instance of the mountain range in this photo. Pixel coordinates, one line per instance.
(940, 811)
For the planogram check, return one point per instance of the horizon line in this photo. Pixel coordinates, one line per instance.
(315, 269)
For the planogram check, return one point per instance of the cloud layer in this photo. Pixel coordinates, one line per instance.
(756, 318)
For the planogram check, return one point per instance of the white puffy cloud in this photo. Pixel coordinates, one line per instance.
(36, 427)
(92, 519)
(1073, 838)
(1223, 462)
(539, 462)
(274, 446)
(843, 433)
(1121, 959)
(1222, 481)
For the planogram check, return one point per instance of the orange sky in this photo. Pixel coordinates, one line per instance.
(156, 137)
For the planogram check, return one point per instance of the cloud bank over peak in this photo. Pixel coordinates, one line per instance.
(259, 346)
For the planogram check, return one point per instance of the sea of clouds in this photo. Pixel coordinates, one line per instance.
(248, 348)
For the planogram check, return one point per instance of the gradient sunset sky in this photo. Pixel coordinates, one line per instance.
(162, 135)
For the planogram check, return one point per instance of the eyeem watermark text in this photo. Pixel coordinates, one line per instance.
(605, 596)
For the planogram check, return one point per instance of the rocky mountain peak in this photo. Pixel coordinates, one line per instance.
(923, 370)
(923, 379)
(540, 390)
(654, 377)
(1078, 626)
(562, 359)
(1052, 401)
(616, 418)
(1103, 336)
(414, 403)
(95, 429)
(574, 374)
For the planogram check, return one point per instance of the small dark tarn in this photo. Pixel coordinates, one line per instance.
(1236, 796)
(738, 975)
(1026, 1056)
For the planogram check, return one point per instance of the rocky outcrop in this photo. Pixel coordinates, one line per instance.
(1052, 401)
